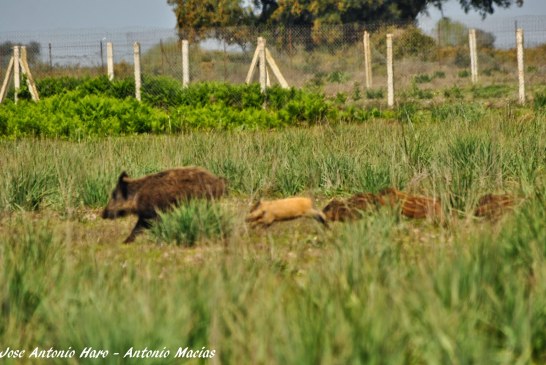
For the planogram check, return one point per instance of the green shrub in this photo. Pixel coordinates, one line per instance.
(50, 86)
(453, 92)
(72, 116)
(491, 91)
(539, 102)
(418, 93)
(422, 78)
(413, 42)
(338, 77)
(374, 94)
(464, 74)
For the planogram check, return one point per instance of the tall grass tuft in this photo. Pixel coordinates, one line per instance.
(473, 160)
(31, 259)
(29, 189)
(191, 222)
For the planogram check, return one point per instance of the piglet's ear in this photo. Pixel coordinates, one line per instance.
(123, 184)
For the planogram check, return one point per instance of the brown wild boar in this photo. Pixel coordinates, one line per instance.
(412, 206)
(266, 212)
(493, 206)
(148, 195)
(351, 208)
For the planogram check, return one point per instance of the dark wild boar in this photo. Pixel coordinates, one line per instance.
(493, 206)
(148, 195)
(351, 208)
(412, 206)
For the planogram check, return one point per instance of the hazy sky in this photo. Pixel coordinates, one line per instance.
(21, 15)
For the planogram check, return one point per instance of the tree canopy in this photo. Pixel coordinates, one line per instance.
(194, 15)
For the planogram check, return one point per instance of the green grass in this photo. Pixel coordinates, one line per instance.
(382, 290)
(192, 222)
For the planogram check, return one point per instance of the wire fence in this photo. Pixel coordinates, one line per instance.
(428, 64)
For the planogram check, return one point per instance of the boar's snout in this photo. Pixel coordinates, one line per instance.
(113, 214)
(106, 214)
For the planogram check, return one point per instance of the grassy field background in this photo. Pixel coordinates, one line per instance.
(382, 290)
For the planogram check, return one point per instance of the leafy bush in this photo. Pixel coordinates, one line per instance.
(74, 108)
(50, 86)
(413, 42)
(374, 94)
(464, 74)
(72, 116)
(418, 93)
(422, 78)
(218, 117)
(453, 92)
(491, 91)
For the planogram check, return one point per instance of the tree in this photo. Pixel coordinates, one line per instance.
(485, 7)
(197, 14)
(306, 12)
(194, 17)
(6, 50)
(455, 34)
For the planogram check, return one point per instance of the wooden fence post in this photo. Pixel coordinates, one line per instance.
(367, 60)
(110, 60)
(136, 54)
(390, 72)
(26, 71)
(261, 57)
(16, 72)
(185, 64)
(4, 89)
(473, 55)
(521, 65)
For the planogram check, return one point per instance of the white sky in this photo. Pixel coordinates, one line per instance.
(454, 11)
(25, 15)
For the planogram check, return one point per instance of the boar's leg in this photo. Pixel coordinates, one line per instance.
(140, 225)
(320, 217)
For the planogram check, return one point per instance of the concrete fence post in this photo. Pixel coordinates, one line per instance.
(185, 64)
(390, 72)
(473, 55)
(261, 58)
(367, 60)
(521, 65)
(138, 80)
(110, 60)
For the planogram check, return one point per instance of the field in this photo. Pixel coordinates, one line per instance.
(380, 290)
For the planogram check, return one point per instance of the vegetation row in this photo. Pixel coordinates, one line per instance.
(73, 108)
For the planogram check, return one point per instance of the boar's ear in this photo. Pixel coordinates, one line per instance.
(123, 184)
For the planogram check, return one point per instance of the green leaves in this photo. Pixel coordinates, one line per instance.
(78, 108)
(72, 116)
